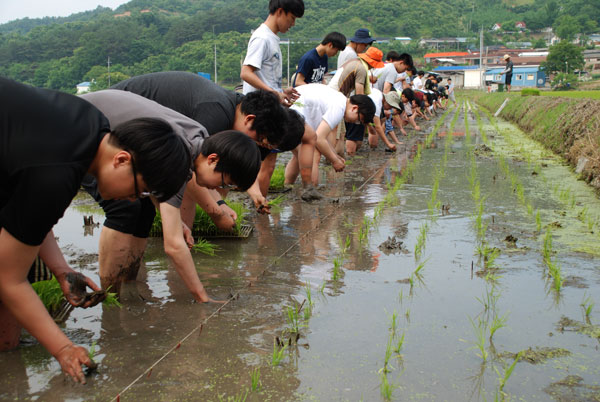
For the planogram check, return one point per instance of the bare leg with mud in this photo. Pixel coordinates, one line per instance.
(120, 256)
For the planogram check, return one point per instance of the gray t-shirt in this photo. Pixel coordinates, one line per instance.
(121, 106)
(347, 54)
(264, 54)
(385, 74)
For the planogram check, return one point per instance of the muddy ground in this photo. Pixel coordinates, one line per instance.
(409, 281)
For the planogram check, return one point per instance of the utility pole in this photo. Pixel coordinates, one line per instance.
(482, 72)
(108, 71)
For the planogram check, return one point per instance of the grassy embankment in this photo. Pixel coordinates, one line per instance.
(569, 127)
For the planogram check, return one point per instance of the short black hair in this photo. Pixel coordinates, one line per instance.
(160, 155)
(408, 60)
(239, 156)
(410, 95)
(421, 72)
(448, 79)
(337, 39)
(295, 7)
(271, 116)
(366, 107)
(294, 131)
(393, 56)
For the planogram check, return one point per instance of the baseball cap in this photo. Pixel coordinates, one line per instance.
(362, 35)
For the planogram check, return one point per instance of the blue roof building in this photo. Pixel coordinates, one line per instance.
(526, 77)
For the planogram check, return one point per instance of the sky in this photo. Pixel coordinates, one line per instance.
(13, 9)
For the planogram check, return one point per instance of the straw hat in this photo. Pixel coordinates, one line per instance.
(506, 57)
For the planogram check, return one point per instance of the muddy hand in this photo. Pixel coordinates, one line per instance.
(71, 358)
(74, 286)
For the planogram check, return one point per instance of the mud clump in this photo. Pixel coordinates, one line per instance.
(392, 246)
(567, 324)
(311, 194)
(572, 389)
(483, 151)
(537, 355)
(511, 241)
(575, 282)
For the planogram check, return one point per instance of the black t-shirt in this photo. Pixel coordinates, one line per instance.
(509, 67)
(48, 141)
(429, 85)
(189, 94)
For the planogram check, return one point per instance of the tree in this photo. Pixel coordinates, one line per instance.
(538, 43)
(564, 56)
(566, 27)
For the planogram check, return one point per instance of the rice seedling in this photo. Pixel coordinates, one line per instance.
(394, 323)
(497, 323)
(386, 388)
(503, 377)
(388, 354)
(420, 267)
(420, 245)
(278, 352)
(278, 178)
(293, 318)
(308, 293)
(275, 202)
(538, 221)
(92, 351)
(407, 314)
(399, 344)
(490, 255)
(241, 397)
(588, 305)
(255, 378)
(50, 293)
(547, 250)
(337, 265)
(322, 288)
(205, 247)
(353, 188)
(480, 330)
(555, 272)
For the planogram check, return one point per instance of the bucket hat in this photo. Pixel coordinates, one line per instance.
(373, 57)
(362, 35)
(393, 98)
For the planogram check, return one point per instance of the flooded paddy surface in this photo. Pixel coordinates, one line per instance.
(410, 275)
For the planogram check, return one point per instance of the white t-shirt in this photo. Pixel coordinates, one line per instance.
(417, 83)
(318, 102)
(400, 84)
(264, 53)
(347, 54)
(377, 97)
(385, 74)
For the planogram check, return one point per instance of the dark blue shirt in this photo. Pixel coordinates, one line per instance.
(312, 66)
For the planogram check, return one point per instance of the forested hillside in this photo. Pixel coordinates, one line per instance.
(154, 35)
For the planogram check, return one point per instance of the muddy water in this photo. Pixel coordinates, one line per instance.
(341, 351)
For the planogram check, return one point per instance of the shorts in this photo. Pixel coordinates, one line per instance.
(508, 79)
(355, 132)
(130, 217)
(388, 125)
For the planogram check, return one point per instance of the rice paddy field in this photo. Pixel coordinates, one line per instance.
(463, 267)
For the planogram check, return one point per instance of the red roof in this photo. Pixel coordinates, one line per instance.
(446, 54)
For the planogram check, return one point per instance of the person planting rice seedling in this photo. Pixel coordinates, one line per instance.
(224, 160)
(50, 141)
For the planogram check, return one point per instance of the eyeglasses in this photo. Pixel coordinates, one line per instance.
(226, 186)
(138, 193)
